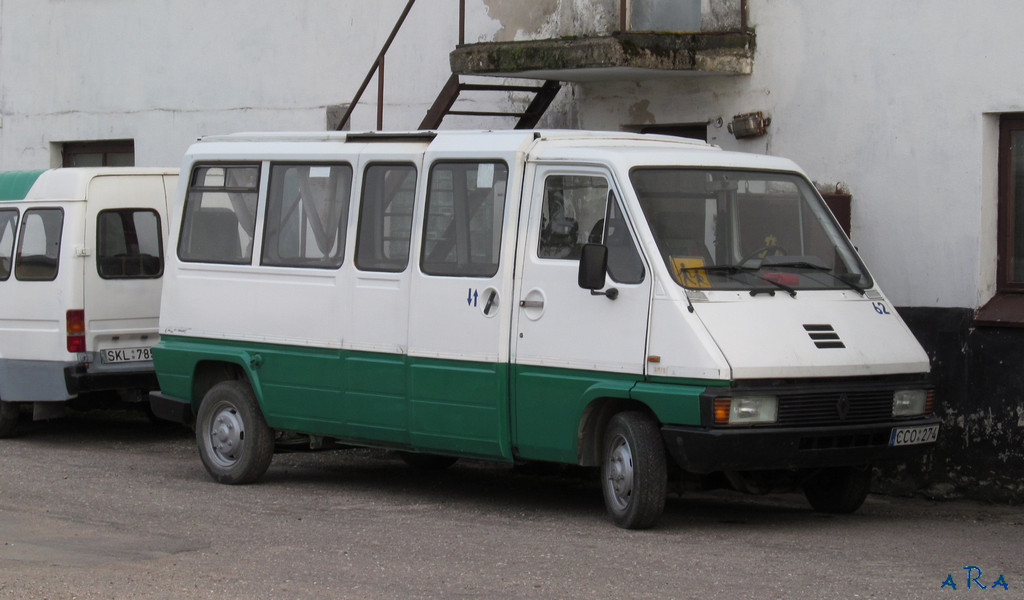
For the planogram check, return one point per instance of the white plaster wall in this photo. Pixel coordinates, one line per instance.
(897, 100)
(894, 99)
(167, 71)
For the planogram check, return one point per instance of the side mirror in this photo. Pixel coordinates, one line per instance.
(593, 267)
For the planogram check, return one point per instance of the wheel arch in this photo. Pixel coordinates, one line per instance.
(594, 422)
(209, 372)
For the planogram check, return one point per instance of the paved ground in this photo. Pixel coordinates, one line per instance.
(110, 506)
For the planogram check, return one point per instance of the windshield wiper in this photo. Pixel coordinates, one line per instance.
(732, 270)
(821, 269)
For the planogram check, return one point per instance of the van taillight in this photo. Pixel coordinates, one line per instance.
(76, 331)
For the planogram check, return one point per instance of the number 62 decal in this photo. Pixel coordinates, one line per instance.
(881, 308)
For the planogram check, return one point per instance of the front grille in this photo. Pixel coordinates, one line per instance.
(835, 408)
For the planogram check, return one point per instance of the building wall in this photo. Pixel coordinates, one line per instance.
(167, 71)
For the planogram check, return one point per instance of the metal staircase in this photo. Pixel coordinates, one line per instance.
(543, 95)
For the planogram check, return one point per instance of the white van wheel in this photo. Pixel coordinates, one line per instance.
(633, 471)
(235, 444)
(9, 412)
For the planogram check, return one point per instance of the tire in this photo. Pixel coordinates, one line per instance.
(235, 444)
(9, 413)
(840, 490)
(427, 462)
(634, 474)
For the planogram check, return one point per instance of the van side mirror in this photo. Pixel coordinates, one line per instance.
(593, 267)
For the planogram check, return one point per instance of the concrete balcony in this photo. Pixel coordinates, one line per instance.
(616, 56)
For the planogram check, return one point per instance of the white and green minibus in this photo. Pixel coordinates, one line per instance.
(601, 299)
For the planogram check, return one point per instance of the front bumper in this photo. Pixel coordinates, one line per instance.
(707, 450)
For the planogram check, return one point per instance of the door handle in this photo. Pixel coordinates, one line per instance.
(531, 304)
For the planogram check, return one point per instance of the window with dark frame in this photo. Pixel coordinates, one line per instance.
(107, 153)
(1011, 203)
(1006, 308)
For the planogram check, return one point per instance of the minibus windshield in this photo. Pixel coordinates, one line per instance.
(734, 229)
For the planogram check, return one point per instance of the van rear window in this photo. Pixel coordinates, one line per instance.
(219, 221)
(129, 244)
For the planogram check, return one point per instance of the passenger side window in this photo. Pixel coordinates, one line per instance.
(307, 215)
(572, 212)
(129, 244)
(464, 212)
(624, 263)
(385, 218)
(582, 209)
(8, 227)
(39, 245)
(219, 221)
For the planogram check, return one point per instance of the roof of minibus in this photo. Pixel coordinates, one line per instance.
(611, 147)
(64, 183)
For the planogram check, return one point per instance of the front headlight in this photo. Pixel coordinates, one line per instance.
(746, 410)
(908, 403)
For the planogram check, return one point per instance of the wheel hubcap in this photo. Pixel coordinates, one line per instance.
(620, 472)
(226, 435)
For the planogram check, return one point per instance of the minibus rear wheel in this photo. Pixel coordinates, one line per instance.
(235, 444)
(838, 490)
(634, 473)
(9, 412)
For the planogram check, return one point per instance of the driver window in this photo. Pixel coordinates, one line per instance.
(573, 208)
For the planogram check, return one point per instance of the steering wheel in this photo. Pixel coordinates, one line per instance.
(776, 250)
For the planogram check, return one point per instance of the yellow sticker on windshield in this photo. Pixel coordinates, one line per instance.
(689, 272)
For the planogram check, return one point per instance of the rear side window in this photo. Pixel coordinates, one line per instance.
(307, 215)
(8, 228)
(128, 244)
(39, 245)
(465, 207)
(219, 221)
(385, 218)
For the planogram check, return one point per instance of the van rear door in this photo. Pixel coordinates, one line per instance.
(124, 240)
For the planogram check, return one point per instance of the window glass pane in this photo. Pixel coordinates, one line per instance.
(39, 245)
(385, 218)
(1016, 184)
(732, 229)
(219, 220)
(307, 215)
(624, 263)
(128, 244)
(120, 159)
(88, 159)
(572, 215)
(465, 208)
(8, 226)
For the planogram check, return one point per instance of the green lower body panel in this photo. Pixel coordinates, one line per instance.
(462, 408)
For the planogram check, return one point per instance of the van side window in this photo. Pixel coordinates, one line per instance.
(385, 218)
(465, 208)
(8, 227)
(39, 245)
(307, 215)
(573, 206)
(219, 220)
(129, 244)
(624, 262)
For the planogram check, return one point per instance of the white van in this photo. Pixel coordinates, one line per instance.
(81, 261)
(592, 298)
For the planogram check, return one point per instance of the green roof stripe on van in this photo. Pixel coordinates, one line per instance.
(15, 184)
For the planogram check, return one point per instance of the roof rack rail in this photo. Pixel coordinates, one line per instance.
(386, 136)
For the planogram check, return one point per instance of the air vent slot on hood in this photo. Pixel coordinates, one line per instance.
(824, 336)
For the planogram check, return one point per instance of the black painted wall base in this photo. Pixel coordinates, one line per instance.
(979, 395)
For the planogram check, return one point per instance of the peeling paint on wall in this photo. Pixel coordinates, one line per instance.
(550, 19)
(640, 113)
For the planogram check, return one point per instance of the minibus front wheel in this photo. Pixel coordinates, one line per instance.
(235, 444)
(839, 490)
(634, 473)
